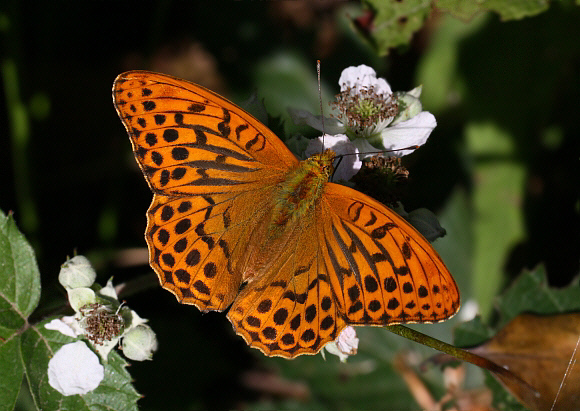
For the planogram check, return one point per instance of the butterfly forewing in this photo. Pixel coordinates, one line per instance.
(189, 140)
(211, 166)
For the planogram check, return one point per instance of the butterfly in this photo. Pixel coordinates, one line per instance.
(238, 221)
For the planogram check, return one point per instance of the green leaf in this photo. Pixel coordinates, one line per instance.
(394, 22)
(19, 295)
(12, 373)
(20, 279)
(507, 10)
(471, 333)
(115, 391)
(531, 293)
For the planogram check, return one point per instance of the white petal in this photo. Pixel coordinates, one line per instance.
(73, 322)
(331, 125)
(413, 132)
(365, 148)
(469, 310)
(59, 325)
(362, 76)
(75, 369)
(340, 144)
(347, 341)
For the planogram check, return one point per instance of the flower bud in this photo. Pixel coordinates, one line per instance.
(139, 343)
(81, 296)
(409, 105)
(77, 272)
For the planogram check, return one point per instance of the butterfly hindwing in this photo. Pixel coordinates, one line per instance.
(291, 310)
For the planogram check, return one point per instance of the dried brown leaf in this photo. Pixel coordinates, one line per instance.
(542, 351)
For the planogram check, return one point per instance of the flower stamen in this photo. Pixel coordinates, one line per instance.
(101, 324)
(363, 109)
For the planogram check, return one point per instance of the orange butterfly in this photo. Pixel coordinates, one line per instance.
(232, 206)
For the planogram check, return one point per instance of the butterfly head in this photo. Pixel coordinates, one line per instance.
(323, 162)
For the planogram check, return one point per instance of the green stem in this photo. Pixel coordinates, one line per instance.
(460, 354)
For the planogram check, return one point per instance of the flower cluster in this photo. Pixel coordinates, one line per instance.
(100, 323)
(371, 117)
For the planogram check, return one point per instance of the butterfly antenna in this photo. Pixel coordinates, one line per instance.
(320, 100)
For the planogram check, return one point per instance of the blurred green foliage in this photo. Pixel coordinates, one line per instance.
(500, 169)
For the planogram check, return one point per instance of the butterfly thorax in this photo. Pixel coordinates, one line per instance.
(301, 189)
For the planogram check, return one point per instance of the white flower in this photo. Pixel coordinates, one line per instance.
(374, 117)
(341, 145)
(98, 314)
(75, 369)
(346, 344)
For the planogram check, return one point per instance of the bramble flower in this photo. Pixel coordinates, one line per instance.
(372, 116)
(102, 320)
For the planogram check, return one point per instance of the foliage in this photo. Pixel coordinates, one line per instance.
(27, 348)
